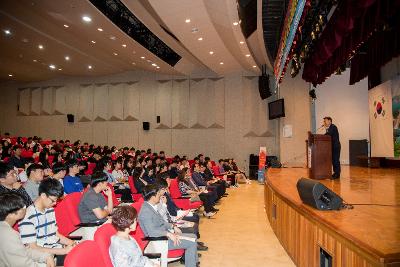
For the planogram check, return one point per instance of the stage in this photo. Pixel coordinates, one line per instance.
(368, 235)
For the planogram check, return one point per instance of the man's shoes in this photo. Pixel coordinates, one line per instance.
(214, 209)
(335, 176)
(208, 214)
(201, 247)
(201, 243)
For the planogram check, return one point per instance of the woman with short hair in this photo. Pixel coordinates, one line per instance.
(124, 250)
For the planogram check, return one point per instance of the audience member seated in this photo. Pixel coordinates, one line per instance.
(202, 183)
(189, 227)
(124, 250)
(38, 229)
(189, 188)
(16, 160)
(138, 179)
(225, 170)
(207, 175)
(58, 172)
(9, 183)
(35, 176)
(72, 183)
(93, 207)
(12, 250)
(173, 169)
(153, 225)
(241, 176)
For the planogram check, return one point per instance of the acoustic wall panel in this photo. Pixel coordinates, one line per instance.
(100, 102)
(36, 101)
(216, 103)
(85, 111)
(47, 101)
(250, 106)
(100, 136)
(180, 104)
(24, 101)
(163, 104)
(198, 102)
(131, 104)
(116, 101)
(59, 101)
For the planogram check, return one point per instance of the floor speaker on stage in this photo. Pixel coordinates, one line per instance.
(318, 195)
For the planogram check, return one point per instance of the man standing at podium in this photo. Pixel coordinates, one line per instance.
(333, 132)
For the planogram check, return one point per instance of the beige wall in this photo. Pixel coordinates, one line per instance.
(297, 114)
(217, 117)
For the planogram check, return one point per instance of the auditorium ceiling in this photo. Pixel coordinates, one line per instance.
(45, 39)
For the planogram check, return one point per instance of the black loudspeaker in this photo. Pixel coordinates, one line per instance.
(247, 11)
(70, 118)
(263, 84)
(317, 195)
(358, 150)
(146, 125)
(158, 119)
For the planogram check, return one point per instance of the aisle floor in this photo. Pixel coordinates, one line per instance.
(240, 234)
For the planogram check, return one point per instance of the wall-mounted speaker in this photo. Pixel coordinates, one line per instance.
(70, 118)
(158, 119)
(146, 125)
(318, 195)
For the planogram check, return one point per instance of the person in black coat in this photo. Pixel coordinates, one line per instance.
(333, 132)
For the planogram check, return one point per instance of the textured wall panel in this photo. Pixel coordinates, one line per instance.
(100, 102)
(59, 101)
(24, 101)
(131, 102)
(47, 101)
(36, 101)
(85, 111)
(216, 103)
(163, 104)
(180, 104)
(116, 101)
(198, 102)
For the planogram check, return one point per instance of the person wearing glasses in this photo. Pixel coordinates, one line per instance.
(12, 251)
(38, 229)
(9, 183)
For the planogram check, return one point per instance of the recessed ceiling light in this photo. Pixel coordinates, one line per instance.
(34, 60)
(142, 57)
(148, 60)
(113, 38)
(254, 66)
(133, 52)
(10, 75)
(241, 42)
(158, 67)
(7, 32)
(40, 46)
(60, 69)
(89, 67)
(124, 45)
(154, 64)
(248, 55)
(25, 40)
(194, 30)
(66, 58)
(211, 52)
(51, 66)
(100, 29)
(200, 39)
(221, 63)
(187, 20)
(236, 23)
(93, 42)
(133, 63)
(86, 19)
(115, 54)
(66, 26)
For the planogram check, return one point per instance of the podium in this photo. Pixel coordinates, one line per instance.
(319, 156)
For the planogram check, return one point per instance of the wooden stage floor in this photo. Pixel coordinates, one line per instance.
(373, 227)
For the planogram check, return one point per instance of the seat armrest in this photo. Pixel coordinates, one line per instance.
(183, 197)
(157, 238)
(152, 255)
(75, 237)
(91, 224)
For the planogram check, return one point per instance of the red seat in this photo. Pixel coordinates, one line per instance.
(90, 168)
(84, 254)
(103, 239)
(183, 203)
(114, 196)
(135, 195)
(66, 212)
(51, 159)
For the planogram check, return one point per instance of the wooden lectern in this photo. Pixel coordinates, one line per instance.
(319, 156)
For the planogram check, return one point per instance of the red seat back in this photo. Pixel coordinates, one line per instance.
(71, 206)
(103, 239)
(216, 170)
(90, 168)
(174, 189)
(84, 254)
(114, 197)
(132, 185)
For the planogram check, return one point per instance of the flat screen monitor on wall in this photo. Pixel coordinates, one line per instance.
(276, 109)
